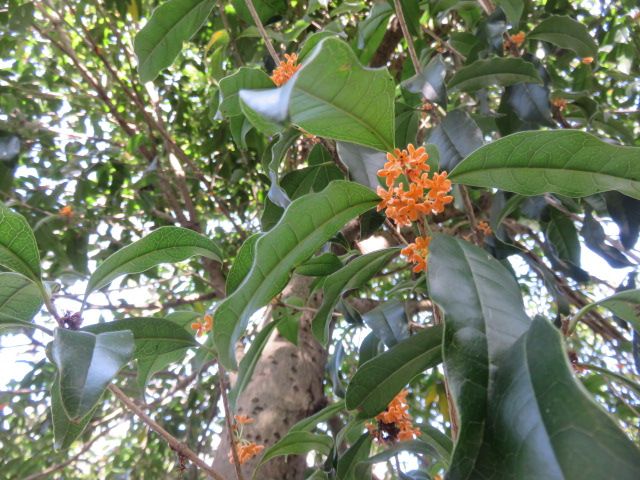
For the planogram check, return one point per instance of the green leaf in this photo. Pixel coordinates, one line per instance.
(242, 263)
(566, 32)
(484, 317)
(86, 364)
(18, 248)
(353, 275)
(20, 299)
(249, 362)
(160, 41)
(65, 430)
(324, 264)
(158, 342)
(624, 304)
(298, 443)
(512, 9)
(163, 245)
(363, 163)
(441, 443)
(456, 137)
(230, 86)
(306, 225)
(389, 322)
(562, 234)
(538, 410)
(380, 379)
(413, 446)
(331, 96)
(557, 161)
(494, 71)
(430, 81)
(355, 454)
(307, 424)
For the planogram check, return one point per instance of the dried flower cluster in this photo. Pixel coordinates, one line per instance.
(285, 70)
(246, 450)
(394, 424)
(423, 196)
(203, 326)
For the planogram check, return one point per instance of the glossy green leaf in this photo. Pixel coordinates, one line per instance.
(298, 443)
(359, 451)
(158, 342)
(65, 430)
(307, 424)
(388, 321)
(249, 362)
(376, 382)
(242, 263)
(562, 234)
(456, 136)
(539, 411)
(331, 96)
(18, 248)
(363, 163)
(484, 317)
(324, 264)
(353, 275)
(494, 71)
(160, 41)
(565, 32)
(86, 365)
(557, 161)
(306, 225)
(20, 299)
(230, 86)
(163, 245)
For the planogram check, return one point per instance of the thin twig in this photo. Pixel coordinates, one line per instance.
(173, 442)
(468, 206)
(263, 32)
(222, 375)
(407, 36)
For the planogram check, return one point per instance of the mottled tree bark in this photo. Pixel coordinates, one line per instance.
(286, 387)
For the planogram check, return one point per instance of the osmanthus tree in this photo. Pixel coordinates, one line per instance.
(319, 239)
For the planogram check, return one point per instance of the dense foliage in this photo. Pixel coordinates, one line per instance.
(399, 234)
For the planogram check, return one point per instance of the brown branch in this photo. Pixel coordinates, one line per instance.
(173, 442)
(387, 46)
(407, 36)
(263, 32)
(222, 375)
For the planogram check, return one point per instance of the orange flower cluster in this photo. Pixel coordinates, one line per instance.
(66, 211)
(587, 60)
(417, 253)
(559, 103)
(204, 326)
(395, 423)
(246, 451)
(285, 70)
(404, 206)
(517, 39)
(484, 228)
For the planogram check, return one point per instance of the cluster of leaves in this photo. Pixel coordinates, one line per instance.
(264, 183)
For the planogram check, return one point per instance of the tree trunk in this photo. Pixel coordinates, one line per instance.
(286, 387)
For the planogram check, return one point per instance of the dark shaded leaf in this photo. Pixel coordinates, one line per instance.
(456, 137)
(430, 81)
(594, 238)
(363, 163)
(494, 71)
(389, 322)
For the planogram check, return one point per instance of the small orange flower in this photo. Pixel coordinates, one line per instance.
(395, 422)
(243, 419)
(246, 451)
(517, 39)
(417, 253)
(204, 326)
(587, 60)
(285, 70)
(559, 103)
(66, 211)
(484, 228)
